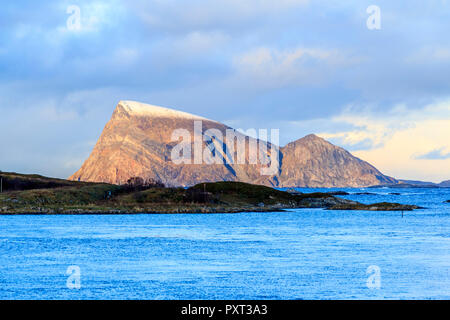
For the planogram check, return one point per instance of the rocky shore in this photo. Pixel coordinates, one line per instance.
(218, 197)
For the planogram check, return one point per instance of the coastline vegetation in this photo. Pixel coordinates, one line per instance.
(34, 194)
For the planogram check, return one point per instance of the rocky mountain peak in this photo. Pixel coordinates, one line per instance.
(138, 109)
(137, 142)
(310, 139)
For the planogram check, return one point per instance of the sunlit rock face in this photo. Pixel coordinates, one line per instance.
(314, 162)
(138, 141)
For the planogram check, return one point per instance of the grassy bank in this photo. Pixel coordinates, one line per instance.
(32, 194)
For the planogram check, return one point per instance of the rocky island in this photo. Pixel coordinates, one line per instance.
(137, 142)
(34, 194)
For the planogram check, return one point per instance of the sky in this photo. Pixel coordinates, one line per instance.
(377, 85)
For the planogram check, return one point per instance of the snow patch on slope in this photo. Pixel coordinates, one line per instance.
(143, 109)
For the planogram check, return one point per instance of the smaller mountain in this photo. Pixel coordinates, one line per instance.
(445, 184)
(417, 183)
(314, 162)
(423, 184)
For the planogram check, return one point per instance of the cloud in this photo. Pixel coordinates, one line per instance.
(195, 15)
(271, 68)
(432, 55)
(399, 142)
(436, 154)
(52, 136)
(301, 66)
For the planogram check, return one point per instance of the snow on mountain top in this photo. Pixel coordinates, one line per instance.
(143, 109)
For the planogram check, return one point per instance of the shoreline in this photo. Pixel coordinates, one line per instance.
(44, 196)
(205, 211)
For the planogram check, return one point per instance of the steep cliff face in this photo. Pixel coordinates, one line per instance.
(314, 162)
(137, 142)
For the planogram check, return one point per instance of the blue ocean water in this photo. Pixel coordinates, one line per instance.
(299, 254)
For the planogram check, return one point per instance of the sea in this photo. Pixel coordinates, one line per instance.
(297, 254)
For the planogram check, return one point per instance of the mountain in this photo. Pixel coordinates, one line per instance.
(417, 183)
(445, 184)
(137, 142)
(423, 184)
(314, 162)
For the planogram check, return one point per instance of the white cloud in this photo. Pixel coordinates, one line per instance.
(202, 41)
(52, 113)
(398, 138)
(433, 54)
(300, 66)
(196, 43)
(94, 16)
(197, 14)
(126, 56)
